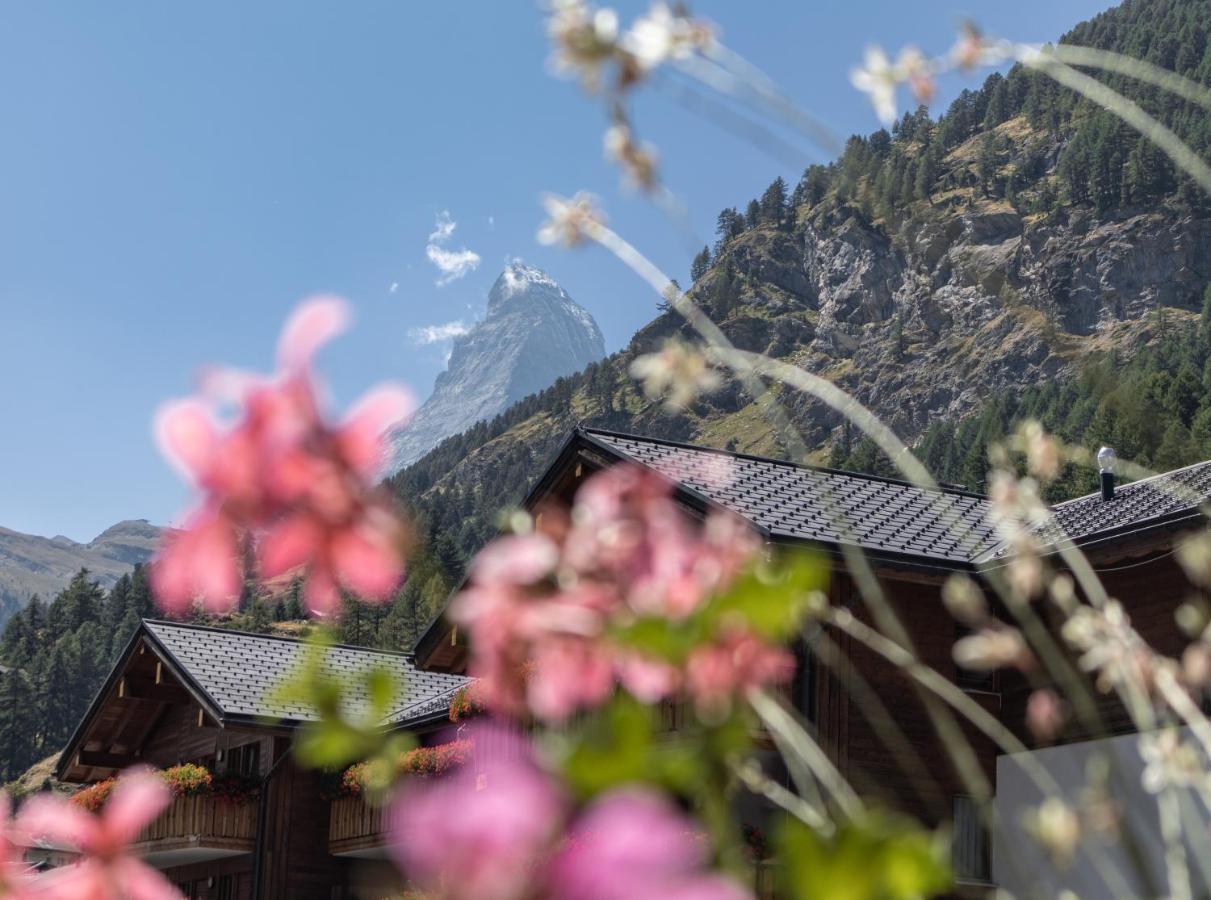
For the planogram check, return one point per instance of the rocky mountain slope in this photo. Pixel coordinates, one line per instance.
(37, 565)
(532, 334)
(937, 271)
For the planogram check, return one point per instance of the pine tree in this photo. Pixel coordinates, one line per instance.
(701, 264)
(17, 733)
(926, 173)
(773, 203)
(728, 225)
(998, 101)
(61, 692)
(752, 215)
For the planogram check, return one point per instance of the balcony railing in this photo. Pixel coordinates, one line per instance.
(198, 828)
(354, 826)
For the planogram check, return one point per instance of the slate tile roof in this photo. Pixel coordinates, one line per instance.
(1138, 503)
(814, 504)
(238, 672)
(883, 515)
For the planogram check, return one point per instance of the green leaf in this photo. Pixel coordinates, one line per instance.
(619, 746)
(774, 596)
(881, 857)
(343, 732)
(661, 638)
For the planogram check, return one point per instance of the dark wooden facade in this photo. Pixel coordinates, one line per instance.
(276, 846)
(871, 717)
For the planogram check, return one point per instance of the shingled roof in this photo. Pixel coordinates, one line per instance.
(893, 518)
(1168, 497)
(792, 502)
(237, 673)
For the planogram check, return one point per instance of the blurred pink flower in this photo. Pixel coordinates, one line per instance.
(541, 607)
(497, 830)
(281, 479)
(729, 667)
(15, 873)
(569, 673)
(106, 870)
(481, 833)
(632, 844)
(1046, 714)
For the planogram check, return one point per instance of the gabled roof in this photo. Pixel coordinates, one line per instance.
(239, 671)
(790, 502)
(890, 520)
(232, 675)
(889, 517)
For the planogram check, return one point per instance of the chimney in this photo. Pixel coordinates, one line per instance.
(1106, 458)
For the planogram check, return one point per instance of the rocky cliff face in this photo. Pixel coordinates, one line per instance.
(37, 565)
(962, 303)
(533, 333)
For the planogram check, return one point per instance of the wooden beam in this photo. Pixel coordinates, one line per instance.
(132, 688)
(98, 760)
(159, 671)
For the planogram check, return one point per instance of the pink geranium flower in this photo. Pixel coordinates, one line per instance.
(280, 484)
(107, 870)
(634, 845)
(541, 607)
(15, 873)
(497, 830)
(480, 833)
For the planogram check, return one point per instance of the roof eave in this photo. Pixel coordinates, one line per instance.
(98, 700)
(1175, 521)
(891, 559)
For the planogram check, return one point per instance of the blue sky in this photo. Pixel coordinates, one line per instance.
(174, 177)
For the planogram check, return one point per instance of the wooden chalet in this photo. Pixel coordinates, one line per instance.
(190, 694)
(913, 540)
(183, 693)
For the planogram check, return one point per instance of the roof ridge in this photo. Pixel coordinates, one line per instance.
(943, 488)
(194, 626)
(1138, 481)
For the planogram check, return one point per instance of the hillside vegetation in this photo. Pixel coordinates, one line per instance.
(1024, 254)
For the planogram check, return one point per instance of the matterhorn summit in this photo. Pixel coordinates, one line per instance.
(532, 334)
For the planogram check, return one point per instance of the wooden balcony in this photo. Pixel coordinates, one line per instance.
(356, 829)
(197, 829)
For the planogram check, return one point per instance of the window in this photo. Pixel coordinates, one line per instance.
(244, 760)
(969, 852)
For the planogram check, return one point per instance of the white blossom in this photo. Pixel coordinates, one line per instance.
(1057, 828)
(1170, 762)
(572, 221)
(585, 40)
(991, 648)
(663, 35)
(637, 160)
(879, 79)
(677, 372)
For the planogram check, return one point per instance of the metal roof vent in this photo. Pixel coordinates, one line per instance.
(1106, 458)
